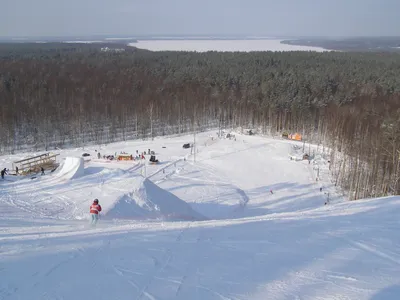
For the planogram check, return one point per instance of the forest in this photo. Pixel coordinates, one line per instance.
(57, 95)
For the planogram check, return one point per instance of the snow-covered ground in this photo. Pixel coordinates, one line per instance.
(240, 220)
(221, 45)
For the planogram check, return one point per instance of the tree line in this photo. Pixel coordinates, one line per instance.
(59, 95)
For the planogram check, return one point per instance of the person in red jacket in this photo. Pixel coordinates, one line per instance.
(95, 208)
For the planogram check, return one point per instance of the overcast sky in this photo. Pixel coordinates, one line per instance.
(192, 17)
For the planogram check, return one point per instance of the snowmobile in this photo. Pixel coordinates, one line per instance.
(153, 160)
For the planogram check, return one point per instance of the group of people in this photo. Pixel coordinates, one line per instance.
(4, 171)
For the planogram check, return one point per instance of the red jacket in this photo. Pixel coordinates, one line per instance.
(95, 208)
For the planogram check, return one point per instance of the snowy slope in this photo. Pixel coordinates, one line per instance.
(346, 252)
(232, 174)
(122, 194)
(255, 245)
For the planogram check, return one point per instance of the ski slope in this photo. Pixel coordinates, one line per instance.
(240, 220)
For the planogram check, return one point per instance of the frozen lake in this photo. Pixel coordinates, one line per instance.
(221, 45)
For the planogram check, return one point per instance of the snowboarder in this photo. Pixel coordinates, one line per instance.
(271, 192)
(41, 168)
(95, 208)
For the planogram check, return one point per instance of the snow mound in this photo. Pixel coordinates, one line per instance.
(73, 167)
(149, 201)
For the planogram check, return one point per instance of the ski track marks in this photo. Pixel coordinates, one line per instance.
(212, 173)
(188, 281)
(160, 266)
(367, 247)
(46, 196)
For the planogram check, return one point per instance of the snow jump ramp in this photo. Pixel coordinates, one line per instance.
(148, 201)
(71, 168)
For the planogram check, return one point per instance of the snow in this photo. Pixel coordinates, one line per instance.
(148, 201)
(221, 45)
(73, 167)
(83, 42)
(204, 227)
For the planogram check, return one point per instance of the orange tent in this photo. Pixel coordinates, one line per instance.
(125, 157)
(296, 136)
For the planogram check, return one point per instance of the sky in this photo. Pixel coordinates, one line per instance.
(27, 18)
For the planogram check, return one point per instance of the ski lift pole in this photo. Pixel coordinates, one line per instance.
(194, 146)
(327, 197)
(144, 169)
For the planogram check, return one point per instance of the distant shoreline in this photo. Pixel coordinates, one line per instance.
(348, 44)
(361, 44)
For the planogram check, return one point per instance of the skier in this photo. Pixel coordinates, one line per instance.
(95, 208)
(42, 169)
